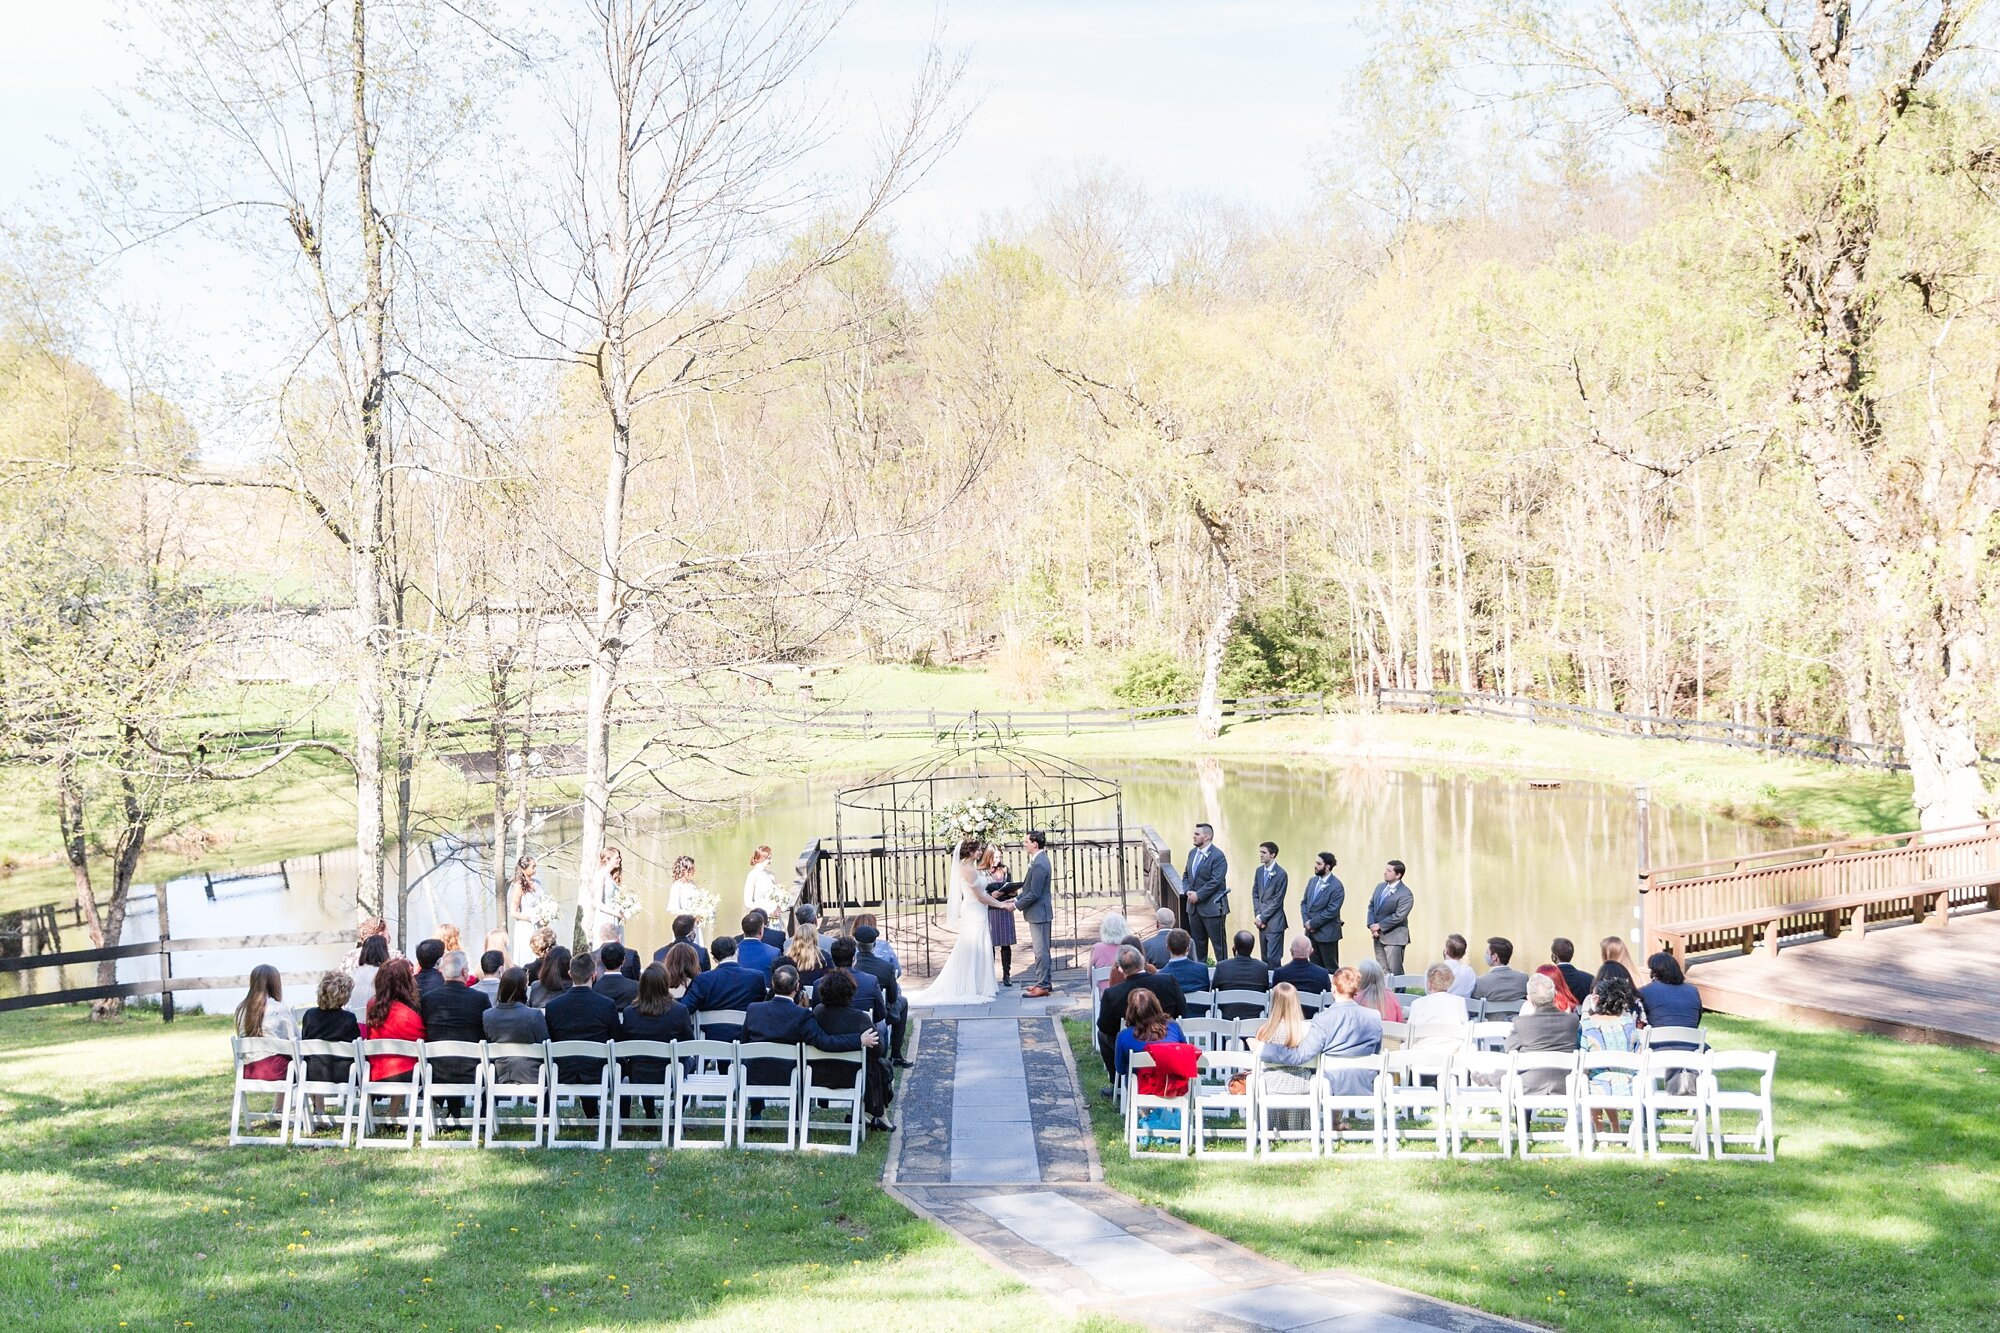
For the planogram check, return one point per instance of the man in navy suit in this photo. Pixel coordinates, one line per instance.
(1325, 896)
(1267, 902)
(611, 980)
(1205, 883)
(454, 1011)
(783, 1019)
(752, 951)
(581, 1014)
(868, 997)
(769, 933)
(727, 985)
(684, 934)
(1189, 975)
(867, 940)
(1305, 976)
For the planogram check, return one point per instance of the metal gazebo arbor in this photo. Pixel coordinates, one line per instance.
(887, 855)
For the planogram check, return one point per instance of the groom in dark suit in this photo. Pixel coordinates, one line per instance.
(1205, 884)
(1036, 904)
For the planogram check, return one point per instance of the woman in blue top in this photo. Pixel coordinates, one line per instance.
(1610, 1026)
(1145, 1022)
(1670, 1002)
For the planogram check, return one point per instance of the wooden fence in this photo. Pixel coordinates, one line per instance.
(1705, 731)
(1698, 891)
(166, 984)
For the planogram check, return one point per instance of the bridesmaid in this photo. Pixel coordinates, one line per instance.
(993, 875)
(594, 901)
(683, 895)
(524, 896)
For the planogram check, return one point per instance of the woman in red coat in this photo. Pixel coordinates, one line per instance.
(393, 1016)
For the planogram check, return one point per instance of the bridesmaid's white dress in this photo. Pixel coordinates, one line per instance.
(968, 976)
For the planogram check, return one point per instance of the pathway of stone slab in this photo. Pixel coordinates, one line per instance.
(995, 1144)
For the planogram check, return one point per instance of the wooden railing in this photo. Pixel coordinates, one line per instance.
(1697, 891)
(164, 985)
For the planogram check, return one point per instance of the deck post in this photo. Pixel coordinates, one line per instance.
(1642, 911)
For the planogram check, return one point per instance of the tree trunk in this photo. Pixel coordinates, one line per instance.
(497, 735)
(69, 814)
(1208, 711)
(365, 557)
(608, 622)
(124, 868)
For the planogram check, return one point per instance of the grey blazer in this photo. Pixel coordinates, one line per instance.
(1207, 878)
(1325, 896)
(1389, 907)
(1344, 1030)
(1267, 896)
(516, 1023)
(1036, 903)
(1502, 984)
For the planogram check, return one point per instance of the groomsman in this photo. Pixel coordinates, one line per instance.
(1325, 896)
(1389, 918)
(1206, 885)
(1267, 904)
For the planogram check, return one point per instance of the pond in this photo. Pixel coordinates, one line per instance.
(1486, 855)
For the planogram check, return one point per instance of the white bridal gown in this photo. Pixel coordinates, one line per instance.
(968, 976)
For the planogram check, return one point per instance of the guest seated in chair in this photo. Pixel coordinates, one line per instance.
(1155, 947)
(553, 978)
(1375, 992)
(751, 950)
(393, 1016)
(581, 1014)
(512, 1021)
(1301, 973)
(331, 1021)
(1562, 953)
(1566, 1000)
(653, 1015)
(264, 1013)
(1189, 975)
(1669, 1000)
(684, 925)
(1343, 1029)
(683, 966)
(1502, 984)
(783, 1019)
(1111, 933)
(727, 985)
(868, 996)
(1242, 970)
(1441, 1005)
(867, 940)
(428, 954)
(491, 964)
(1145, 1023)
(611, 981)
(1130, 976)
(452, 1012)
(1610, 1026)
(1544, 1026)
(838, 1014)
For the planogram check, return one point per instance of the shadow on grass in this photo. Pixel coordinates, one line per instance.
(1884, 1201)
(120, 1201)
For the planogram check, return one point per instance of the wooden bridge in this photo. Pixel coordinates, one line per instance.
(1897, 934)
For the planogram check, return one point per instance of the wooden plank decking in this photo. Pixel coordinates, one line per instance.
(1916, 984)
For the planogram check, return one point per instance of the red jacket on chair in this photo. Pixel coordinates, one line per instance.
(1175, 1064)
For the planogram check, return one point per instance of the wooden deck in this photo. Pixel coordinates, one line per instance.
(1910, 982)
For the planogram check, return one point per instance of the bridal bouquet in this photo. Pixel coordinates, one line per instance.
(624, 905)
(987, 818)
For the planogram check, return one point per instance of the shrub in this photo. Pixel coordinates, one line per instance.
(1155, 676)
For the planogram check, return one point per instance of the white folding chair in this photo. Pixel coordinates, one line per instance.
(1491, 1036)
(1610, 1068)
(1212, 1100)
(1273, 1097)
(1200, 1003)
(1478, 1103)
(245, 1051)
(1408, 983)
(630, 1093)
(1531, 1108)
(1725, 1096)
(389, 1090)
(342, 1092)
(534, 1095)
(767, 1093)
(1501, 1011)
(1338, 1110)
(580, 1092)
(1415, 1100)
(1099, 978)
(1254, 999)
(470, 1094)
(1688, 1038)
(1136, 1102)
(1395, 1036)
(830, 1096)
(698, 1083)
(1673, 1087)
(1311, 1001)
(1453, 1036)
(1211, 1034)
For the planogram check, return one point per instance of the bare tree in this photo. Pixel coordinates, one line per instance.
(684, 160)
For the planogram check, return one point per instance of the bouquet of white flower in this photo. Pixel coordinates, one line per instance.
(704, 905)
(624, 905)
(987, 818)
(546, 912)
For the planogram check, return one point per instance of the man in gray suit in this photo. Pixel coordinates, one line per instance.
(1267, 904)
(1325, 896)
(1154, 950)
(1036, 904)
(1389, 918)
(1502, 984)
(1205, 885)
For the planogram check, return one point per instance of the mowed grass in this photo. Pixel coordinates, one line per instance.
(1882, 1210)
(122, 1207)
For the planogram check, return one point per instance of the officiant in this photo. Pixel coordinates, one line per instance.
(1000, 919)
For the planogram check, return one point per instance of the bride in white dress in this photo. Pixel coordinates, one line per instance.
(967, 976)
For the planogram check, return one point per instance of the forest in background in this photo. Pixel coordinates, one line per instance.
(1550, 392)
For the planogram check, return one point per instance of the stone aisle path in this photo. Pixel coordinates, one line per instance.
(994, 1143)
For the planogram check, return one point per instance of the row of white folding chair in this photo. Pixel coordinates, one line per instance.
(705, 1076)
(1205, 1004)
(1451, 1098)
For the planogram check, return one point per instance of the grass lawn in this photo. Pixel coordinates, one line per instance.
(1882, 1210)
(121, 1207)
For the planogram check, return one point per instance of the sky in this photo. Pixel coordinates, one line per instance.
(1233, 99)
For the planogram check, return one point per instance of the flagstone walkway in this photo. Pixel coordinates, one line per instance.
(994, 1143)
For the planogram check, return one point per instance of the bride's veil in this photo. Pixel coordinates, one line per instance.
(955, 893)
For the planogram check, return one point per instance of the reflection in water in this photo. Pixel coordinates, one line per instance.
(1486, 856)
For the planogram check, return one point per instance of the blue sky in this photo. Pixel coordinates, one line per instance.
(1232, 100)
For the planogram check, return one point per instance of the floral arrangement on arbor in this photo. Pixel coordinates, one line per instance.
(987, 818)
